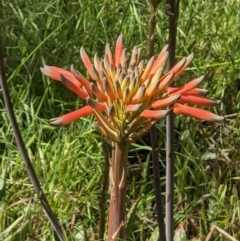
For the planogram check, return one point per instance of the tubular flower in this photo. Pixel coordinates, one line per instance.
(127, 98)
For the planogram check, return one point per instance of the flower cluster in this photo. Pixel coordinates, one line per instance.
(127, 97)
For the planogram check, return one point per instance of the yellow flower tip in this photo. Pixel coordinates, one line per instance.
(147, 70)
(73, 87)
(147, 82)
(141, 67)
(72, 116)
(112, 71)
(134, 86)
(155, 114)
(109, 89)
(125, 81)
(139, 95)
(154, 84)
(118, 89)
(196, 113)
(107, 126)
(126, 96)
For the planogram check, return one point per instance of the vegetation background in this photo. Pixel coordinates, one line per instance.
(69, 160)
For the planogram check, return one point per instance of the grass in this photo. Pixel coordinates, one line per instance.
(69, 161)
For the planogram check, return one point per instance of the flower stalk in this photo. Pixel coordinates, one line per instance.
(117, 212)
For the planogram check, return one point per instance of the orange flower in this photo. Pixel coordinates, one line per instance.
(127, 98)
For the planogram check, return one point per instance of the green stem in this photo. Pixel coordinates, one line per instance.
(118, 172)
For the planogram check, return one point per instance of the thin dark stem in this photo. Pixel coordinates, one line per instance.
(157, 184)
(172, 12)
(107, 151)
(21, 146)
(153, 135)
(170, 177)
